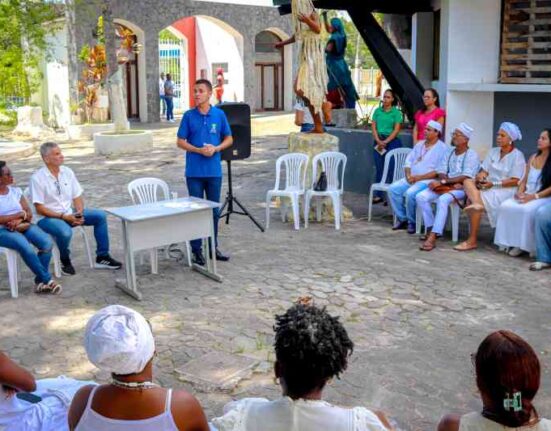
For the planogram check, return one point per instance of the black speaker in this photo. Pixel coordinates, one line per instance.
(239, 117)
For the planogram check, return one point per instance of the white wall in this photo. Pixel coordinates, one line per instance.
(216, 44)
(53, 95)
(474, 37)
(477, 110)
(422, 46)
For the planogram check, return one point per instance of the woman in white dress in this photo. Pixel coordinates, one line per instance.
(496, 182)
(515, 225)
(311, 348)
(508, 378)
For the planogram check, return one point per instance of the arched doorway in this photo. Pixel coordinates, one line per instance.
(269, 72)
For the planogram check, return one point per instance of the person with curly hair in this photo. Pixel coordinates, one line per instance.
(311, 347)
(508, 378)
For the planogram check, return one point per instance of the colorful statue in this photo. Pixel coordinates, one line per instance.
(311, 80)
(341, 91)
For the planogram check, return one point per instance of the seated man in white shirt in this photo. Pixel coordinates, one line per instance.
(459, 164)
(420, 167)
(57, 196)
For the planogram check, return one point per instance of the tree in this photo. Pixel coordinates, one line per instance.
(23, 46)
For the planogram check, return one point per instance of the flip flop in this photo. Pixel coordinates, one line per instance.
(465, 246)
(538, 266)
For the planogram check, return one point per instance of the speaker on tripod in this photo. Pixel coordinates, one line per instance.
(239, 117)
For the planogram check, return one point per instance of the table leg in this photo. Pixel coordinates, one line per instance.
(210, 270)
(130, 287)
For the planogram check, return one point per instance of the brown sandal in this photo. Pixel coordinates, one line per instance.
(429, 244)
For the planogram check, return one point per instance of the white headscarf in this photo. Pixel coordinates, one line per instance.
(435, 125)
(465, 129)
(512, 130)
(119, 340)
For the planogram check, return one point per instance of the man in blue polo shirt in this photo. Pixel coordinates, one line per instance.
(204, 132)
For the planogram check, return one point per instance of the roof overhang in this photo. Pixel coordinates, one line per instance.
(402, 7)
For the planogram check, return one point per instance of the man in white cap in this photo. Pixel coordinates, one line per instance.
(420, 169)
(496, 182)
(459, 164)
(119, 340)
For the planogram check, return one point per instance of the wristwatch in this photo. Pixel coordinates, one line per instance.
(443, 181)
(537, 196)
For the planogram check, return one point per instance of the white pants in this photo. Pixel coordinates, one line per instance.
(424, 201)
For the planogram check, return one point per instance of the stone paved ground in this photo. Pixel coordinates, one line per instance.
(414, 317)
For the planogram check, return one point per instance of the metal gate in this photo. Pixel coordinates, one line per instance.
(172, 59)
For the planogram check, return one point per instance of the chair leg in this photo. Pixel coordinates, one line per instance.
(336, 210)
(87, 246)
(283, 209)
(306, 209)
(296, 211)
(57, 261)
(370, 204)
(268, 202)
(418, 220)
(455, 212)
(13, 270)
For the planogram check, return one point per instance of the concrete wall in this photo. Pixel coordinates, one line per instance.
(217, 43)
(422, 54)
(152, 18)
(531, 111)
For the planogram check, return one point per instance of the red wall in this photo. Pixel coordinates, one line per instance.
(186, 26)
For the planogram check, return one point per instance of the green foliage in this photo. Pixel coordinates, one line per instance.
(23, 31)
(167, 35)
(354, 37)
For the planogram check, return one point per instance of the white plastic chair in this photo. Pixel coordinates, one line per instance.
(13, 269)
(149, 190)
(56, 258)
(454, 214)
(399, 155)
(296, 165)
(330, 162)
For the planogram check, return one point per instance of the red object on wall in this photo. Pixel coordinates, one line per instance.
(187, 26)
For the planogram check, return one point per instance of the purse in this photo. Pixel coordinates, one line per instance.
(321, 183)
(442, 189)
(22, 227)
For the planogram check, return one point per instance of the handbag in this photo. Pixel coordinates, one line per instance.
(442, 189)
(22, 227)
(321, 183)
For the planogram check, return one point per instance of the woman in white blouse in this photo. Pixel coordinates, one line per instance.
(496, 182)
(311, 348)
(515, 227)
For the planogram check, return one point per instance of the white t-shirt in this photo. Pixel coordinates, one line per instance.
(284, 414)
(56, 194)
(161, 87)
(307, 119)
(10, 203)
(422, 161)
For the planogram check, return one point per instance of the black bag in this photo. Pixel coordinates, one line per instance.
(321, 184)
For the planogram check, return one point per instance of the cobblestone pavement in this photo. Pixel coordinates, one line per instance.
(415, 317)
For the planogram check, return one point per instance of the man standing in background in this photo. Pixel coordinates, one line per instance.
(162, 94)
(169, 98)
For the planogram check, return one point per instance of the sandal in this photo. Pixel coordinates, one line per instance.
(51, 287)
(538, 266)
(465, 246)
(429, 244)
(376, 200)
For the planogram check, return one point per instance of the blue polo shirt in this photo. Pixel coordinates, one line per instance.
(199, 129)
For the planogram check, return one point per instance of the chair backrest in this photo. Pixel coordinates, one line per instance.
(146, 190)
(296, 165)
(330, 162)
(399, 155)
(29, 198)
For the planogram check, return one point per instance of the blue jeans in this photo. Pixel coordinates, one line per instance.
(163, 104)
(543, 234)
(169, 107)
(23, 244)
(63, 232)
(380, 164)
(402, 198)
(205, 188)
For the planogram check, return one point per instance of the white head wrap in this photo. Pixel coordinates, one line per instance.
(512, 130)
(435, 125)
(465, 129)
(119, 340)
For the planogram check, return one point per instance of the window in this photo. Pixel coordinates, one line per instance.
(436, 47)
